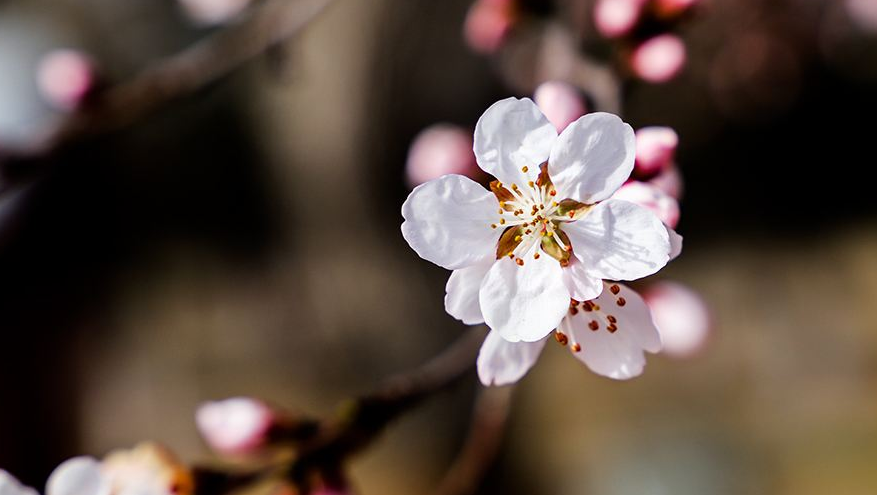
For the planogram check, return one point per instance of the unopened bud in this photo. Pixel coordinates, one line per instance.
(65, 78)
(561, 103)
(615, 18)
(681, 315)
(664, 206)
(655, 150)
(234, 426)
(487, 24)
(659, 59)
(439, 150)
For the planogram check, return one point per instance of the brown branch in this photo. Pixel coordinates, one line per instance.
(485, 436)
(267, 26)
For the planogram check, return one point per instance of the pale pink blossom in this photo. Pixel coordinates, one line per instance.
(65, 77)
(863, 13)
(439, 150)
(670, 181)
(487, 24)
(648, 196)
(609, 334)
(655, 150)
(615, 18)
(211, 12)
(234, 426)
(547, 232)
(681, 315)
(659, 59)
(561, 103)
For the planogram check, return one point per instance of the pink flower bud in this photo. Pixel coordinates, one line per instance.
(488, 22)
(655, 150)
(212, 12)
(560, 102)
(669, 181)
(65, 77)
(659, 59)
(234, 426)
(664, 206)
(681, 315)
(439, 150)
(615, 18)
(863, 13)
(671, 8)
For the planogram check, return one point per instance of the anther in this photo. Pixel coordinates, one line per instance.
(612, 328)
(502, 221)
(615, 289)
(572, 214)
(573, 311)
(573, 303)
(536, 256)
(549, 233)
(596, 306)
(518, 238)
(611, 319)
(588, 306)
(554, 204)
(524, 169)
(514, 187)
(502, 204)
(501, 211)
(553, 193)
(519, 261)
(493, 226)
(621, 301)
(562, 339)
(532, 184)
(593, 325)
(576, 347)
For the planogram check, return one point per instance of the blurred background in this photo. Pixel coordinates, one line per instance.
(246, 241)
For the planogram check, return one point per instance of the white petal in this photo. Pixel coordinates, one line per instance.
(461, 298)
(617, 355)
(675, 243)
(501, 362)
(510, 135)
(592, 157)
(78, 476)
(11, 486)
(582, 286)
(447, 222)
(524, 302)
(618, 240)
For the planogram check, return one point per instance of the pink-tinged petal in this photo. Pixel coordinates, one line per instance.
(524, 303)
(513, 136)
(664, 206)
(487, 25)
(624, 330)
(655, 150)
(234, 426)
(78, 476)
(560, 102)
(863, 13)
(439, 150)
(659, 59)
(448, 222)
(212, 12)
(65, 78)
(592, 157)
(669, 181)
(501, 362)
(11, 486)
(582, 285)
(461, 293)
(615, 18)
(682, 317)
(618, 240)
(675, 243)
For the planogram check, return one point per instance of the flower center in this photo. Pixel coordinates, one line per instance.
(532, 218)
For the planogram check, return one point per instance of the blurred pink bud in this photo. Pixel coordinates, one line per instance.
(681, 315)
(65, 77)
(439, 150)
(560, 102)
(655, 150)
(211, 12)
(664, 206)
(487, 24)
(863, 13)
(659, 59)
(234, 426)
(669, 181)
(669, 8)
(615, 18)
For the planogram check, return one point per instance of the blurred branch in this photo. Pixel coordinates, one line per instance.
(268, 25)
(482, 444)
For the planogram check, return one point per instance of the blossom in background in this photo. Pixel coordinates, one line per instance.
(863, 13)
(649, 196)
(144, 470)
(609, 334)
(212, 12)
(560, 102)
(488, 23)
(439, 150)
(655, 150)
(546, 232)
(659, 59)
(615, 18)
(235, 426)
(65, 77)
(682, 317)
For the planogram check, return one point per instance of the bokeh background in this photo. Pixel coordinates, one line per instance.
(246, 242)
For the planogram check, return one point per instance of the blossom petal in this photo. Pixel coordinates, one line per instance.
(618, 240)
(582, 286)
(675, 243)
(447, 222)
(617, 354)
(11, 486)
(78, 476)
(524, 302)
(592, 157)
(501, 362)
(461, 298)
(510, 135)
